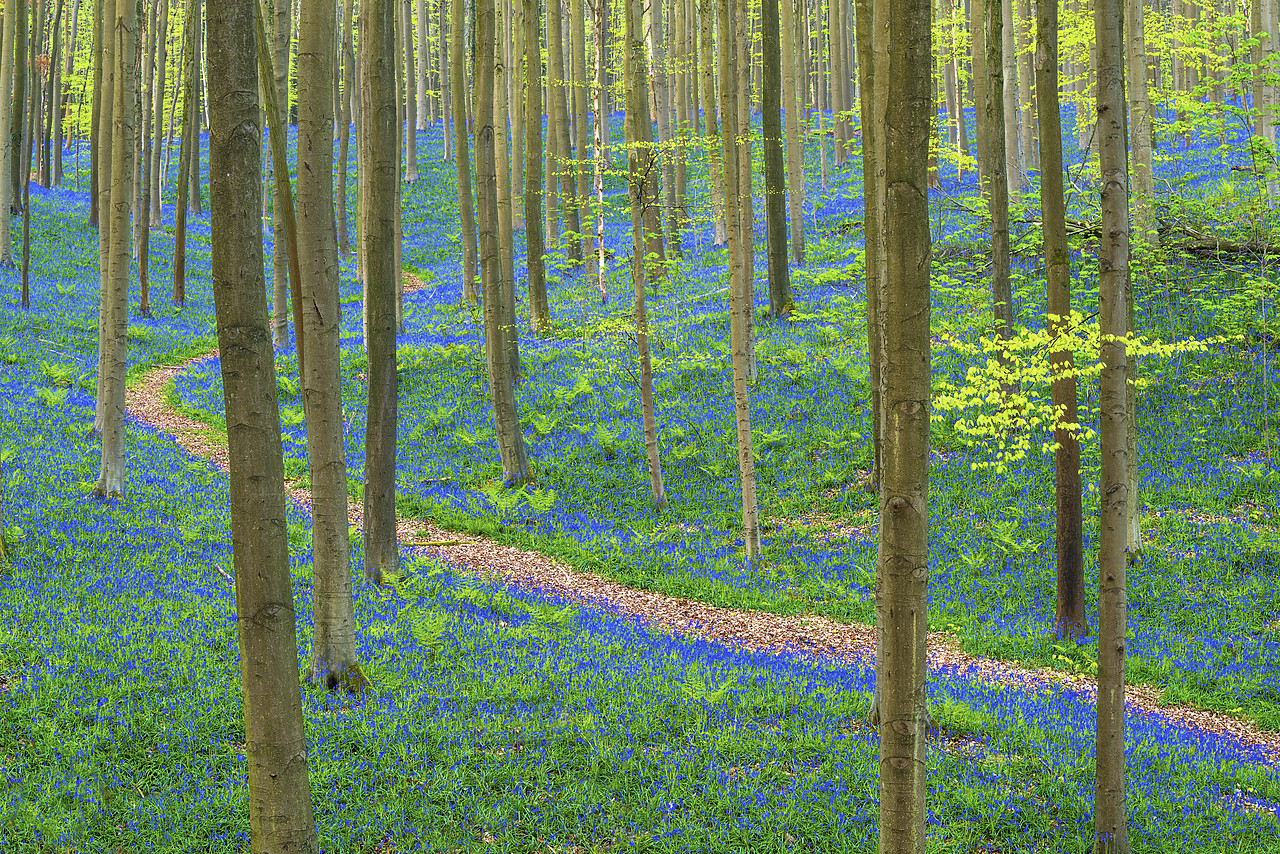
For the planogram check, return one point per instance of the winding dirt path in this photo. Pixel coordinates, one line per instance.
(744, 629)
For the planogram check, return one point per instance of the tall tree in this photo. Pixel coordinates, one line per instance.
(641, 167)
(281, 31)
(662, 97)
(21, 77)
(333, 640)
(280, 811)
(506, 222)
(424, 64)
(349, 100)
(410, 95)
(379, 141)
(162, 62)
(535, 239)
(190, 137)
(715, 165)
(466, 211)
(6, 141)
(1111, 831)
(1015, 164)
(561, 153)
(795, 142)
(994, 172)
(111, 370)
(902, 572)
(780, 303)
(1070, 618)
(511, 450)
(102, 168)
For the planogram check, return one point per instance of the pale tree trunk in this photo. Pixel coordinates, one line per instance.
(511, 450)
(746, 203)
(506, 229)
(190, 127)
(446, 81)
(1015, 168)
(1070, 618)
(424, 65)
(280, 812)
(979, 83)
(680, 64)
(902, 572)
(955, 111)
(995, 179)
(550, 83)
(466, 214)
(535, 239)
(601, 141)
(347, 98)
(197, 202)
(563, 154)
(1111, 832)
(795, 142)
(662, 91)
(410, 95)
(729, 104)
(333, 639)
(641, 164)
(780, 303)
(822, 59)
(162, 61)
(516, 73)
(1026, 85)
(19, 168)
(578, 50)
(281, 30)
(116, 304)
(379, 142)
(711, 142)
(105, 135)
(6, 138)
(871, 29)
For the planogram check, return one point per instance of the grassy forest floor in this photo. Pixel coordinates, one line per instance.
(492, 726)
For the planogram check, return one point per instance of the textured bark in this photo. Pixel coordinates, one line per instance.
(535, 239)
(731, 130)
(902, 573)
(333, 638)
(116, 297)
(280, 811)
(506, 228)
(994, 175)
(578, 54)
(1070, 617)
(715, 155)
(662, 94)
(506, 418)
(978, 81)
(281, 29)
(197, 201)
(795, 142)
(1015, 164)
(1111, 834)
(1139, 125)
(105, 134)
(560, 157)
(190, 129)
(378, 144)
(19, 168)
(872, 34)
(641, 166)
(462, 152)
(162, 62)
(6, 141)
(746, 200)
(780, 303)
(424, 65)
(516, 74)
(1026, 85)
(446, 74)
(346, 100)
(410, 94)
(680, 64)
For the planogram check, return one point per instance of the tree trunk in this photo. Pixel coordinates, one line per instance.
(997, 186)
(197, 202)
(333, 641)
(105, 132)
(680, 60)
(1070, 619)
(731, 130)
(280, 812)
(466, 214)
(578, 53)
(281, 29)
(562, 154)
(506, 226)
(506, 418)
(410, 95)
(902, 572)
(746, 202)
(780, 303)
(1015, 163)
(378, 143)
(516, 73)
(711, 142)
(662, 93)
(1026, 85)
(20, 168)
(535, 239)
(6, 138)
(446, 75)
(795, 142)
(162, 62)
(601, 141)
(116, 305)
(979, 82)
(1111, 833)
(190, 128)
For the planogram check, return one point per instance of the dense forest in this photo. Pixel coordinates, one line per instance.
(488, 425)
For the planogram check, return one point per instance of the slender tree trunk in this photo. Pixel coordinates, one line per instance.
(795, 142)
(871, 29)
(190, 134)
(280, 812)
(281, 29)
(6, 138)
(731, 130)
(1026, 85)
(601, 142)
(979, 83)
(95, 126)
(379, 141)
(20, 168)
(680, 60)
(641, 165)
(506, 227)
(997, 186)
(1111, 832)
(902, 572)
(346, 100)
(746, 202)
(511, 450)
(780, 303)
(535, 239)
(411, 96)
(116, 303)
(516, 73)
(466, 214)
(662, 93)
(197, 201)
(715, 160)
(446, 75)
(107, 43)
(162, 62)
(1015, 163)
(562, 156)
(578, 51)
(1071, 619)
(333, 639)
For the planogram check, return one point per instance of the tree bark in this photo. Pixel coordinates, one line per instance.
(994, 175)
(281, 30)
(511, 449)
(562, 155)
(746, 200)
(280, 811)
(345, 101)
(1070, 617)
(6, 138)
(1026, 85)
(333, 639)
(535, 239)
(871, 30)
(578, 55)
(795, 142)
(506, 222)
(162, 62)
(105, 135)
(197, 201)
(1015, 163)
(662, 93)
(116, 303)
(715, 158)
(780, 303)
(410, 95)
(20, 168)
(1111, 834)
(466, 213)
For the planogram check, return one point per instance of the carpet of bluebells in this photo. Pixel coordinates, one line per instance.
(503, 720)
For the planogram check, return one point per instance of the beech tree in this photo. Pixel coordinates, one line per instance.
(280, 810)
(6, 143)
(462, 151)
(780, 303)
